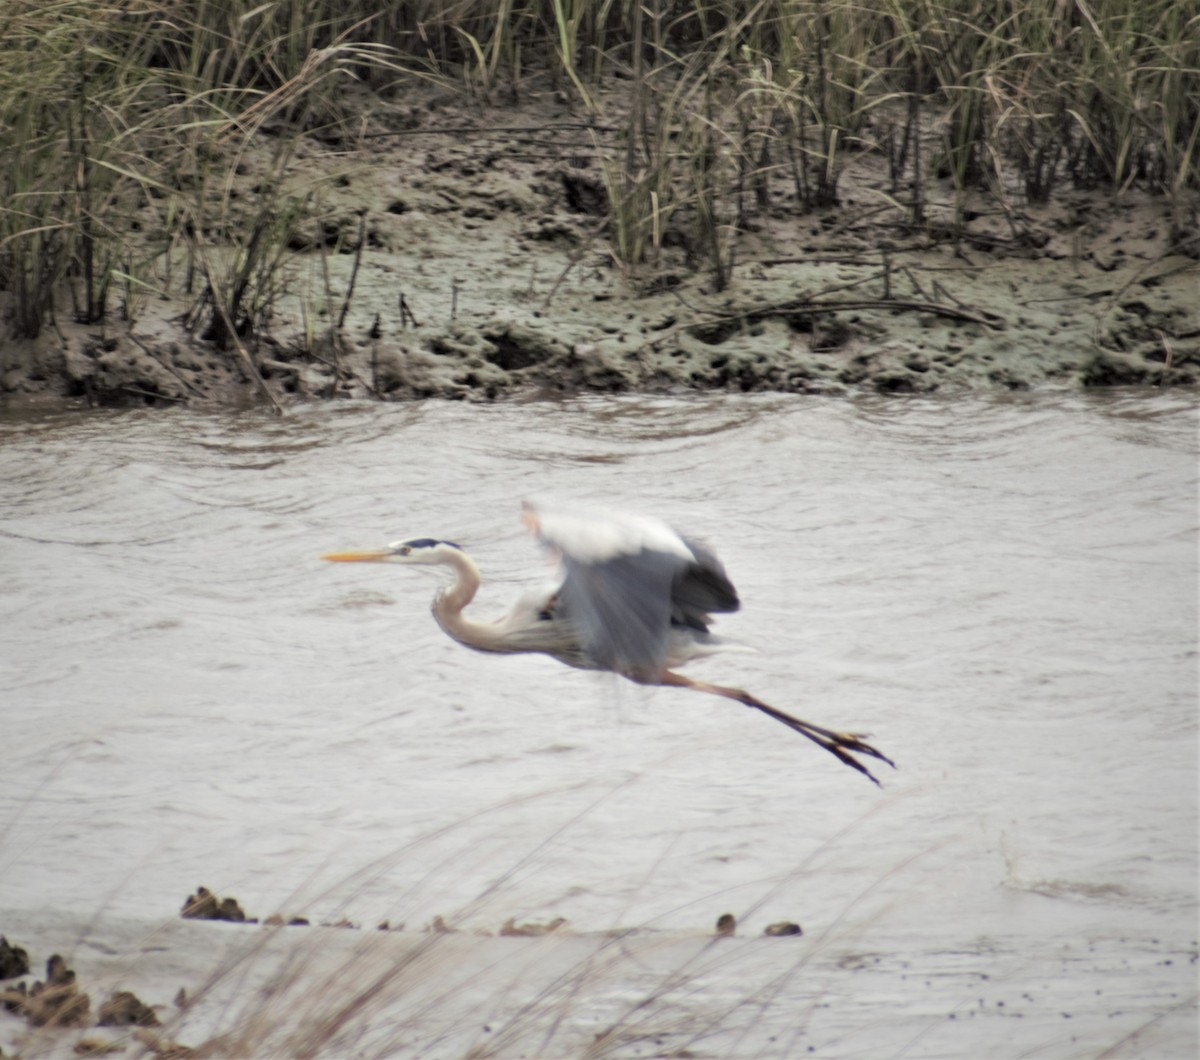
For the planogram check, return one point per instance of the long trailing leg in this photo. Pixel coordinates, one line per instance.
(838, 744)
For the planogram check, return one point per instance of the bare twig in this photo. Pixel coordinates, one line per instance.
(1166, 345)
(812, 307)
(162, 364)
(219, 306)
(362, 238)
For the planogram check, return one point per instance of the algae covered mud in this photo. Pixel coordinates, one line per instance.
(1000, 589)
(474, 277)
(223, 203)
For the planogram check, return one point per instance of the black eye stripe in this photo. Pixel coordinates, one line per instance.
(405, 547)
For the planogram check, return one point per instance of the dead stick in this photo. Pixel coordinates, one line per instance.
(990, 320)
(229, 328)
(362, 238)
(759, 313)
(166, 367)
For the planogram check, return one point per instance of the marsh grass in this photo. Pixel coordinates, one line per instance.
(123, 125)
(123, 128)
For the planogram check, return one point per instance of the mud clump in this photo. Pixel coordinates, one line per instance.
(56, 1002)
(124, 1009)
(511, 929)
(14, 960)
(204, 905)
(1113, 368)
(279, 920)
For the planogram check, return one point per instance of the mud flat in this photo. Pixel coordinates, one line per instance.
(464, 251)
(193, 989)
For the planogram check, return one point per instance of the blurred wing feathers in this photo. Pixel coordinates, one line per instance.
(702, 588)
(627, 580)
(621, 608)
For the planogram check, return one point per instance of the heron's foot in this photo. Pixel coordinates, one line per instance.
(842, 745)
(857, 741)
(851, 741)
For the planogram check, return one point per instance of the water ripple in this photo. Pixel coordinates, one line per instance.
(1000, 589)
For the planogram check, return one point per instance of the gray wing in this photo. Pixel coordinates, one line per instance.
(627, 582)
(621, 608)
(701, 589)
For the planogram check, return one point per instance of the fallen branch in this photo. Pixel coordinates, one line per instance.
(130, 389)
(990, 320)
(164, 366)
(231, 331)
(813, 308)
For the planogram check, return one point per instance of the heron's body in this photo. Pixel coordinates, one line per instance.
(531, 626)
(634, 598)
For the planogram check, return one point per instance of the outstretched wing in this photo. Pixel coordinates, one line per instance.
(627, 580)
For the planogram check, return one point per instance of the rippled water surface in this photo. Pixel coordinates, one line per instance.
(1001, 591)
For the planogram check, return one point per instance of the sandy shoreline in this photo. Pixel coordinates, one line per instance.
(474, 217)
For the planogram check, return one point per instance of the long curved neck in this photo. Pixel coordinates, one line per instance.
(448, 605)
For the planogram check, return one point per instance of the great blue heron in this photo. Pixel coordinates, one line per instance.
(634, 598)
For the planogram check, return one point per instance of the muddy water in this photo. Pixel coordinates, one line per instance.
(1001, 591)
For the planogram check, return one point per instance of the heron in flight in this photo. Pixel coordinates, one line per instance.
(634, 597)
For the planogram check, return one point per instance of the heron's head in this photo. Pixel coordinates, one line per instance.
(424, 551)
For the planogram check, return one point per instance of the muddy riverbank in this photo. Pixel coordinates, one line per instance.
(464, 249)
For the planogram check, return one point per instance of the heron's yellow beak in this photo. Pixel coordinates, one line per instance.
(377, 556)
